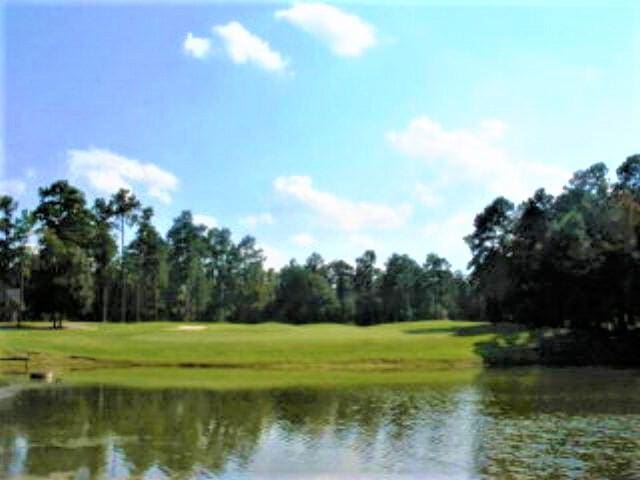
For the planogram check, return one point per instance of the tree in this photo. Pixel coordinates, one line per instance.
(23, 229)
(253, 291)
(124, 205)
(7, 237)
(400, 288)
(365, 285)
(581, 216)
(626, 264)
(532, 270)
(187, 281)
(341, 276)
(436, 297)
(629, 176)
(489, 244)
(305, 296)
(104, 250)
(64, 270)
(148, 252)
(571, 261)
(315, 264)
(14, 259)
(222, 259)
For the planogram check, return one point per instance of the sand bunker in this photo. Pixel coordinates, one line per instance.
(75, 326)
(190, 328)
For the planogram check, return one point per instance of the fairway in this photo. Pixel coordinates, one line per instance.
(398, 346)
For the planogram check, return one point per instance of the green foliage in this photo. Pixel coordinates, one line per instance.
(399, 288)
(439, 289)
(8, 254)
(15, 258)
(63, 212)
(187, 282)
(63, 283)
(103, 250)
(341, 276)
(124, 206)
(572, 260)
(368, 304)
(198, 273)
(14, 234)
(148, 254)
(64, 278)
(304, 295)
(568, 261)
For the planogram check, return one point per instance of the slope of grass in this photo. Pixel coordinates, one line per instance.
(269, 355)
(265, 379)
(389, 347)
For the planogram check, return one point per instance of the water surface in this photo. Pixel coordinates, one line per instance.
(511, 424)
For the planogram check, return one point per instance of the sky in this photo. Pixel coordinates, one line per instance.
(329, 127)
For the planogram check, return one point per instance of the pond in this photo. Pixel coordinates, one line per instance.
(504, 424)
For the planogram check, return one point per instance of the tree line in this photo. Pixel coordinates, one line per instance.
(571, 260)
(83, 268)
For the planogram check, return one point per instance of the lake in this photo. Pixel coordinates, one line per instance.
(504, 424)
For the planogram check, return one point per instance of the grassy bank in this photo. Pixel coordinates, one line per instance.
(265, 379)
(228, 356)
(413, 346)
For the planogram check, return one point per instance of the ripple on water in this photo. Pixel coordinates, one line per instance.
(521, 424)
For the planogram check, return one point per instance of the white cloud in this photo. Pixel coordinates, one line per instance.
(346, 34)
(274, 258)
(303, 240)
(8, 186)
(206, 220)
(107, 172)
(339, 212)
(12, 187)
(197, 47)
(257, 219)
(446, 238)
(426, 195)
(363, 242)
(477, 156)
(242, 46)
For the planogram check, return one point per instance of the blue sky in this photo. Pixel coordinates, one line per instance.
(318, 127)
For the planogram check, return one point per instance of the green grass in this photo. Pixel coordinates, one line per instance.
(275, 353)
(260, 379)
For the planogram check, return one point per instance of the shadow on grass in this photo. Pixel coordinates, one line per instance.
(431, 331)
(501, 344)
(560, 348)
(17, 328)
(508, 344)
(510, 348)
(467, 331)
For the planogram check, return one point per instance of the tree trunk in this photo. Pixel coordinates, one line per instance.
(156, 294)
(138, 301)
(21, 299)
(123, 306)
(105, 301)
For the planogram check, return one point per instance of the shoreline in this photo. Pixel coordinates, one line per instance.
(407, 348)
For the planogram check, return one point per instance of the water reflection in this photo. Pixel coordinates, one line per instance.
(514, 424)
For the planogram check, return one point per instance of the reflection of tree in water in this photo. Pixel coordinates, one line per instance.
(55, 423)
(179, 431)
(68, 429)
(566, 423)
(524, 425)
